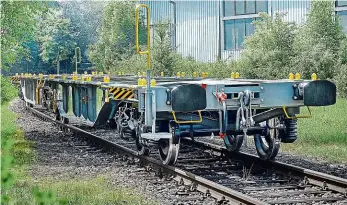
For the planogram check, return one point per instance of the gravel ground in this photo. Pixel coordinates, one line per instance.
(64, 156)
(315, 164)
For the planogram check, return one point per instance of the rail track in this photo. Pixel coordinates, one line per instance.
(239, 178)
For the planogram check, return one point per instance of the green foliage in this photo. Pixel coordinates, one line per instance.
(85, 18)
(116, 40)
(318, 42)
(163, 56)
(341, 80)
(55, 37)
(138, 64)
(268, 52)
(8, 91)
(18, 25)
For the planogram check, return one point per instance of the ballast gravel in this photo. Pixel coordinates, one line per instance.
(316, 164)
(62, 156)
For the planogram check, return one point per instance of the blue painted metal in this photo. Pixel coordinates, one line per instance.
(84, 102)
(91, 93)
(65, 95)
(76, 100)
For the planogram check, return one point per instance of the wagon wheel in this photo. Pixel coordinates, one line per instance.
(233, 143)
(169, 148)
(268, 145)
(141, 148)
(168, 151)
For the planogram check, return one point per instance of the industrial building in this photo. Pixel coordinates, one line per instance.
(206, 30)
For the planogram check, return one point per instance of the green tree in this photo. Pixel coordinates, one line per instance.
(319, 42)
(116, 40)
(268, 52)
(85, 18)
(163, 56)
(55, 37)
(18, 25)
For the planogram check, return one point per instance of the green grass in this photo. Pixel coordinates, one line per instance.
(23, 189)
(77, 192)
(324, 135)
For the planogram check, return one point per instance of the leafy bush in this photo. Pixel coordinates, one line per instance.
(341, 81)
(318, 42)
(116, 36)
(8, 91)
(163, 56)
(268, 52)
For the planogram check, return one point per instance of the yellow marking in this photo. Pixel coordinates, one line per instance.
(112, 89)
(297, 116)
(126, 94)
(115, 92)
(131, 96)
(120, 94)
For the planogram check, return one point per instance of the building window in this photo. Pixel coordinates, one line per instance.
(341, 2)
(343, 19)
(243, 7)
(238, 18)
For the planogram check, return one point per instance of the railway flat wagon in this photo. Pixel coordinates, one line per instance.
(158, 111)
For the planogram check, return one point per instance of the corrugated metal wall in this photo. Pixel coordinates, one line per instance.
(294, 10)
(197, 29)
(196, 33)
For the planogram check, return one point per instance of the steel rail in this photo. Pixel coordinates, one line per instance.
(323, 180)
(201, 184)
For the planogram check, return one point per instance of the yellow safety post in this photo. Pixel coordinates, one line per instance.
(106, 79)
(206, 74)
(144, 82)
(63, 77)
(74, 77)
(78, 57)
(89, 78)
(143, 74)
(195, 74)
(83, 78)
(153, 82)
(178, 74)
(162, 74)
(297, 76)
(291, 76)
(40, 75)
(183, 74)
(203, 74)
(139, 74)
(237, 75)
(314, 76)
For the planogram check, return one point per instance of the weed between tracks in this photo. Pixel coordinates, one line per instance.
(20, 188)
(324, 135)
